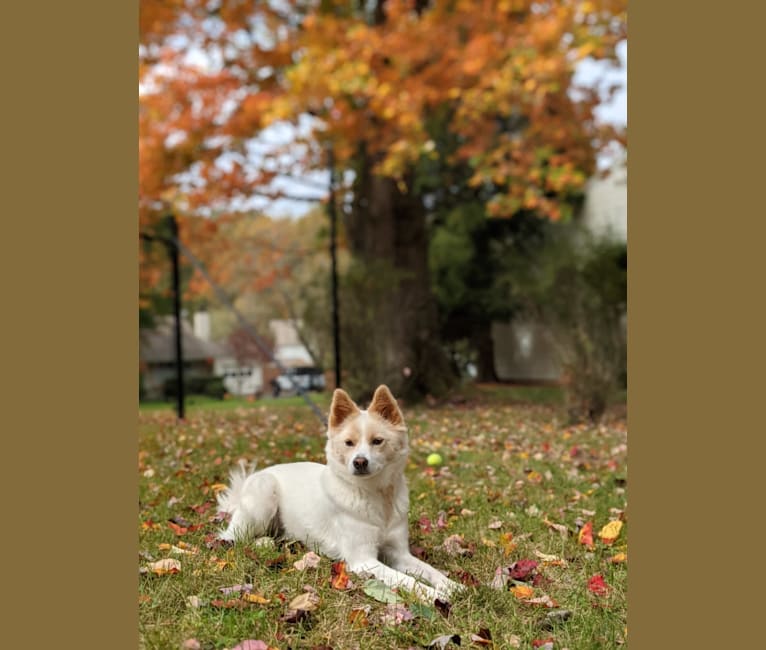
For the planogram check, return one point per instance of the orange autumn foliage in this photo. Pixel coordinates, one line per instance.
(497, 73)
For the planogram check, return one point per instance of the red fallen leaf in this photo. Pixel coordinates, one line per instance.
(467, 578)
(425, 524)
(339, 578)
(574, 451)
(585, 536)
(597, 585)
(202, 508)
(522, 570)
(546, 644)
(231, 603)
(441, 522)
(212, 541)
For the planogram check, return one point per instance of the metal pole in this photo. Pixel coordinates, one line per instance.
(334, 259)
(173, 252)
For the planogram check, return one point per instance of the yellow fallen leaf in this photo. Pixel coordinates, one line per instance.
(506, 539)
(618, 558)
(610, 532)
(217, 487)
(522, 591)
(255, 598)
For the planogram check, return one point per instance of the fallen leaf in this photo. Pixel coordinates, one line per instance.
(231, 603)
(495, 524)
(550, 560)
(236, 589)
(358, 616)
(441, 521)
(467, 578)
(501, 578)
(513, 641)
(164, 567)
(560, 528)
(556, 617)
(255, 598)
(597, 585)
(425, 524)
(191, 644)
(309, 561)
(543, 644)
(522, 591)
(340, 579)
(194, 602)
(618, 558)
(443, 607)
(380, 591)
(251, 644)
(522, 570)
(396, 614)
(307, 602)
(545, 601)
(585, 536)
(442, 641)
(453, 545)
(509, 546)
(609, 533)
(484, 637)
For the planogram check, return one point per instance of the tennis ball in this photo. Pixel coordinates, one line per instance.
(434, 459)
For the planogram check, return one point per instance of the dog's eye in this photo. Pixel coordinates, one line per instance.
(377, 441)
(349, 443)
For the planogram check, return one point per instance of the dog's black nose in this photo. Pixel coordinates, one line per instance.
(360, 464)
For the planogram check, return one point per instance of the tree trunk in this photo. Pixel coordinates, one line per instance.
(482, 342)
(389, 242)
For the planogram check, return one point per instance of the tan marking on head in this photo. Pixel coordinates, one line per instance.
(341, 409)
(384, 405)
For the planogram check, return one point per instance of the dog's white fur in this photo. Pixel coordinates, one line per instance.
(353, 508)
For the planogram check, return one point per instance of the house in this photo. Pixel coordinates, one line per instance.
(247, 368)
(523, 349)
(157, 356)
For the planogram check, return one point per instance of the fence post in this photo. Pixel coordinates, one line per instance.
(332, 207)
(173, 252)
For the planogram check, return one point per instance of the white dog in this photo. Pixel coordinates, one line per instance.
(353, 508)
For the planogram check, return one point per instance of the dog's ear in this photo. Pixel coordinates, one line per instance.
(384, 405)
(341, 408)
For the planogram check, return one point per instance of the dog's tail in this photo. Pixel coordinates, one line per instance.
(229, 499)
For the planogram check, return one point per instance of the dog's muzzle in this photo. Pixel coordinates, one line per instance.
(361, 465)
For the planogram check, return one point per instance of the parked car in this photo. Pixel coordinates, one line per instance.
(307, 377)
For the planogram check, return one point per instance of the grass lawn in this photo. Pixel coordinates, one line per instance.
(512, 504)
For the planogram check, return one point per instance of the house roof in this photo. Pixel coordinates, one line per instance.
(157, 345)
